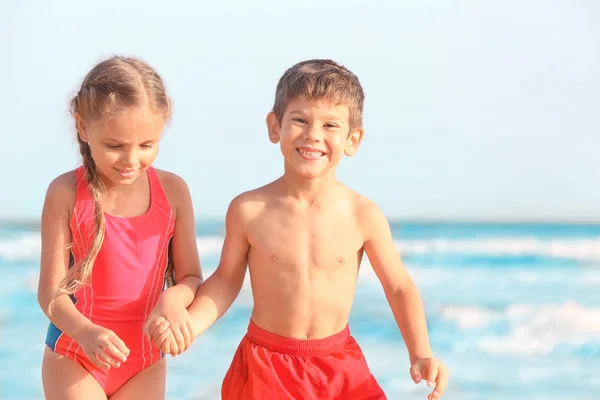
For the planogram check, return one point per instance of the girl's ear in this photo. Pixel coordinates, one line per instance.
(81, 128)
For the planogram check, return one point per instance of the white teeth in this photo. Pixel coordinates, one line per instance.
(311, 153)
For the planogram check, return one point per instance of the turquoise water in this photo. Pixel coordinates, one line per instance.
(513, 310)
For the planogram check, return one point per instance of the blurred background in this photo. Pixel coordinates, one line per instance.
(481, 143)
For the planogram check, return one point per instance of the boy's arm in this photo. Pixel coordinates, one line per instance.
(403, 297)
(400, 290)
(219, 291)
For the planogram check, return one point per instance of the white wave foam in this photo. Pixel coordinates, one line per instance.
(26, 247)
(534, 329)
(209, 245)
(468, 317)
(576, 249)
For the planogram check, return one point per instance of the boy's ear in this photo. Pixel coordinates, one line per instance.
(81, 128)
(273, 127)
(353, 141)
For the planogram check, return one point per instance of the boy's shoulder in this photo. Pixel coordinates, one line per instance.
(366, 211)
(259, 195)
(250, 204)
(362, 205)
(253, 199)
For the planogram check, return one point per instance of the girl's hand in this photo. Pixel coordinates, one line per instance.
(101, 346)
(159, 332)
(174, 327)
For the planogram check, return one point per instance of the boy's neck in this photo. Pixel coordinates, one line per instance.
(308, 190)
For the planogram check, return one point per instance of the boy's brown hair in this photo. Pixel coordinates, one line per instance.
(319, 79)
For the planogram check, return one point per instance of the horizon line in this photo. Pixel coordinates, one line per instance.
(31, 222)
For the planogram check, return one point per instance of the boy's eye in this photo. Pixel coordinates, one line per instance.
(113, 146)
(146, 146)
(300, 120)
(331, 125)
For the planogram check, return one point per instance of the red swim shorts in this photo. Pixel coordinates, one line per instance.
(272, 367)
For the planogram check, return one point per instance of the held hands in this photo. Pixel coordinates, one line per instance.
(101, 346)
(169, 327)
(433, 371)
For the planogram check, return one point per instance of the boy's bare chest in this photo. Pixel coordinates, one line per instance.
(307, 241)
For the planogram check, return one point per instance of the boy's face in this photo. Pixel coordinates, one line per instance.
(314, 135)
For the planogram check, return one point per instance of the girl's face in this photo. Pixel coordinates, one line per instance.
(125, 145)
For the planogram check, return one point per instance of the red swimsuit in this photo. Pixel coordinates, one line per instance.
(127, 279)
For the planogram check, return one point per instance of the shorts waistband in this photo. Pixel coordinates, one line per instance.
(298, 347)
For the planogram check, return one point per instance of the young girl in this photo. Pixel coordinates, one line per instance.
(114, 232)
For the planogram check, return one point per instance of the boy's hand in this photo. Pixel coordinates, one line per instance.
(101, 346)
(434, 372)
(179, 324)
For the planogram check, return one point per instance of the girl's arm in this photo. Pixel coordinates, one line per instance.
(173, 302)
(59, 308)
(188, 273)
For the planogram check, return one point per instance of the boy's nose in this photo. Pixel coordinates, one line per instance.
(313, 134)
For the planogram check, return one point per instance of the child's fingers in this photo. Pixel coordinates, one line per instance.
(179, 340)
(114, 351)
(415, 373)
(160, 340)
(120, 344)
(174, 348)
(151, 326)
(165, 347)
(161, 330)
(441, 382)
(187, 335)
(188, 325)
(432, 372)
(168, 346)
(91, 356)
(105, 358)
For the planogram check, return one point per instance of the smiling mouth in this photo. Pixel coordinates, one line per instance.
(310, 153)
(125, 172)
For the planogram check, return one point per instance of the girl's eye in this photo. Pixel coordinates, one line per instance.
(113, 146)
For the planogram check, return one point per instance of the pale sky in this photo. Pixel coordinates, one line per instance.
(474, 109)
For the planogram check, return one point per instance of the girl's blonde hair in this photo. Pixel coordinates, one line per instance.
(113, 86)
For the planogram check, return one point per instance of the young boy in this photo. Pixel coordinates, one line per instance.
(303, 237)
